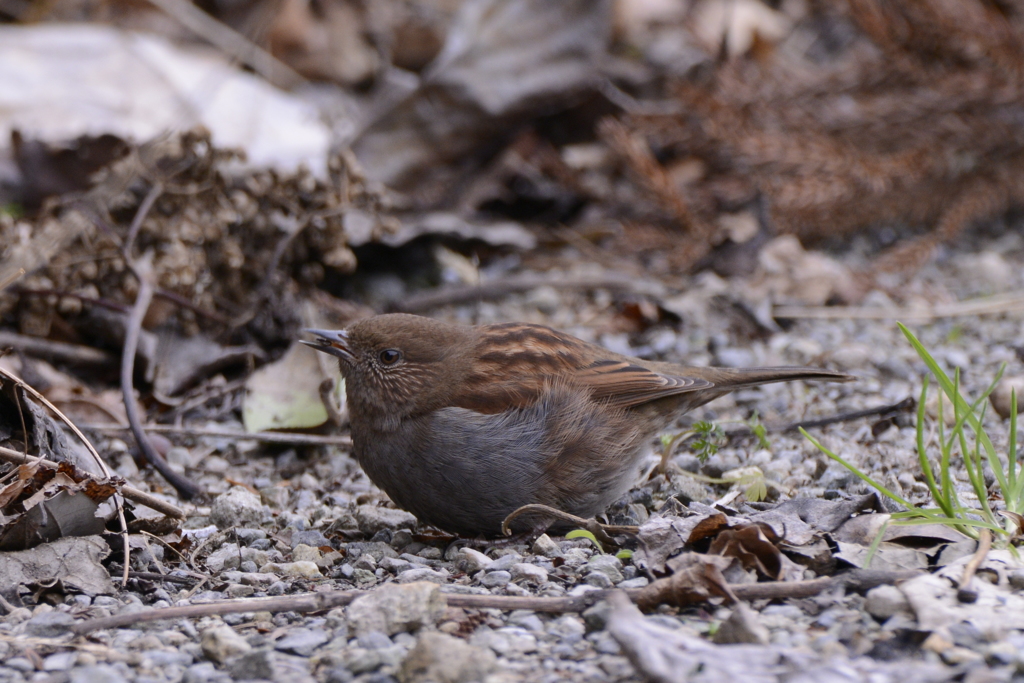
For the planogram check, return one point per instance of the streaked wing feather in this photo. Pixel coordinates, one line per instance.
(625, 384)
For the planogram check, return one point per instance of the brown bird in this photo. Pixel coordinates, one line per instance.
(463, 425)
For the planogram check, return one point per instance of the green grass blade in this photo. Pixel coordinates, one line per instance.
(938, 494)
(1013, 496)
(960, 403)
(874, 545)
(945, 453)
(868, 480)
(964, 525)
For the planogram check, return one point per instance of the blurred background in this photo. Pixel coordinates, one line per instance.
(618, 167)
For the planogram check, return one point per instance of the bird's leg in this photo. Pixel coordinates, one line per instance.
(601, 532)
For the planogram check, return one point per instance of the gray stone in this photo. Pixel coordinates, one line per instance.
(338, 674)
(298, 570)
(99, 673)
(374, 640)
(228, 556)
(883, 602)
(302, 641)
(530, 573)
(617, 667)
(638, 582)
(567, 628)
(375, 548)
(201, 672)
(394, 608)
(582, 588)
(365, 561)
(609, 565)
(313, 538)
(395, 565)
(595, 617)
(442, 658)
(461, 589)
(372, 519)
(546, 547)
(495, 579)
(423, 574)
(1001, 654)
(221, 643)
(505, 562)
(401, 538)
(575, 557)
(364, 577)
(418, 561)
(471, 561)
(249, 536)
(605, 643)
(20, 614)
(164, 658)
(742, 626)
(60, 661)
(21, 664)
(430, 553)
(518, 641)
(526, 619)
(599, 580)
(236, 508)
(360, 660)
(49, 624)
(267, 664)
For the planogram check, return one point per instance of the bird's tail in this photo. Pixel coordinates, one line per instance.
(738, 378)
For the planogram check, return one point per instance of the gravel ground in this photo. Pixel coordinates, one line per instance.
(317, 523)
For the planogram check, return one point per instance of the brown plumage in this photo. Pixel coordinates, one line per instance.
(462, 425)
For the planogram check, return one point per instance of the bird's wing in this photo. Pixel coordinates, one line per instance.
(623, 384)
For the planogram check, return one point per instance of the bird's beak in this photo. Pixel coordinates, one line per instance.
(334, 342)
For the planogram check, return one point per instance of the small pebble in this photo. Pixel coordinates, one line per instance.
(495, 579)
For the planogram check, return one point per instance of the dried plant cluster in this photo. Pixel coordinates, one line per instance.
(217, 237)
(906, 113)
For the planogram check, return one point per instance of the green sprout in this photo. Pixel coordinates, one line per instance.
(967, 442)
(709, 438)
(760, 431)
(583, 533)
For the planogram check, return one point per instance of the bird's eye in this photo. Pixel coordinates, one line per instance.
(390, 356)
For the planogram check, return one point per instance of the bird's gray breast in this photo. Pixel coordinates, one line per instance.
(461, 470)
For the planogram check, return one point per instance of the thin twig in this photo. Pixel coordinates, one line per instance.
(140, 215)
(129, 492)
(265, 437)
(185, 487)
(60, 351)
(232, 43)
(335, 415)
(92, 301)
(264, 290)
(888, 410)
(999, 303)
(153, 575)
(964, 591)
(495, 289)
(64, 418)
(207, 393)
(6, 280)
(859, 580)
(906, 405)
(24, 428)
(121, 308)
(185, 303)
